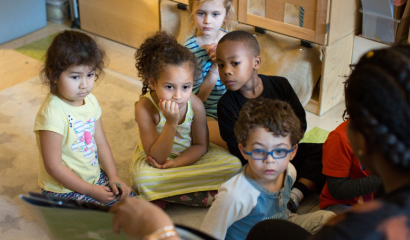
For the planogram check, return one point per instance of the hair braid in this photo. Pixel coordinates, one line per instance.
(378, 102)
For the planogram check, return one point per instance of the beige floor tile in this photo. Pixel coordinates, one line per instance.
(16, 68)
(328, 121)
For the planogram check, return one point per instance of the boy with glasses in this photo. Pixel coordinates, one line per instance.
(238, 58)
(268, 132)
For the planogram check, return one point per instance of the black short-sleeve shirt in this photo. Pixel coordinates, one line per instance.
(231, 103)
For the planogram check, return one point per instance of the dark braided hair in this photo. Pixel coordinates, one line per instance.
(156, 53)
(378, 102)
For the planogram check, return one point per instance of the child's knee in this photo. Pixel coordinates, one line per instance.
(319, 219)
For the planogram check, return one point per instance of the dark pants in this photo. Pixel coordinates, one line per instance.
(275, 229)
(308, 163)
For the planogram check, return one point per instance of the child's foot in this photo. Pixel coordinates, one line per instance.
(295, 197)
(293, 205)
(160, 203)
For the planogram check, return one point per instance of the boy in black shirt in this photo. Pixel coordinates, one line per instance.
(238, 61)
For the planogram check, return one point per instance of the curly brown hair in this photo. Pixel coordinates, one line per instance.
(156, 53)
(275, 115)
(71, 48)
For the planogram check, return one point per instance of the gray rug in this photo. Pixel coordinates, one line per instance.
(19, 104)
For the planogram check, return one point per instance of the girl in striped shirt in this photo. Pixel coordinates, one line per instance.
(207, 17)
(173, 160)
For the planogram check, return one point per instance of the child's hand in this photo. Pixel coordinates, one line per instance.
(170, 163)
(102, 194)
(116, 184)
(211, 51)
(170, 110)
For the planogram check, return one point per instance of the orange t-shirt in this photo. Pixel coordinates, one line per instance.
(339, 161)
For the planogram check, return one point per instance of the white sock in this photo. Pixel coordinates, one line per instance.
(296, 194)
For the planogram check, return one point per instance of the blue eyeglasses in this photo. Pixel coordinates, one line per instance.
(262, 154)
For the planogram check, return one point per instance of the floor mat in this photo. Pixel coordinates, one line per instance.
(19, 104)
(315, 135)
(37, 49)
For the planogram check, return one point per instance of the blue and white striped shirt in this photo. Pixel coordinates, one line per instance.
(204, 64)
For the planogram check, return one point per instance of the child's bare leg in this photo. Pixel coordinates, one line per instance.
(214, 135)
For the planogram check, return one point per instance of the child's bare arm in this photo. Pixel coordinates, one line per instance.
(107, 161)
(200, 138)
(158, 146)
(51, 149)
(209, 83)
(211, 77)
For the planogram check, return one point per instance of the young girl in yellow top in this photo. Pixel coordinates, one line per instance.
(68, 128)
(174, 157)
(208, 17)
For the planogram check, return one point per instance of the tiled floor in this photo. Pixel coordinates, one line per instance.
(21, 60)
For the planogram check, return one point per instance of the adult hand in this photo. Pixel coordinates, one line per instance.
(170, 110)
(169, 163)
(138, 218)
(115, 183)
(102, 194)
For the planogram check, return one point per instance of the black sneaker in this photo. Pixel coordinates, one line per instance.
(293, 205)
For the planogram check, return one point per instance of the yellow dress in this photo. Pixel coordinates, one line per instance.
(208, 173)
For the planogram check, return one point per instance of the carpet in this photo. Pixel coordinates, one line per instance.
(19, 155)
(37, 48)
(19, 104)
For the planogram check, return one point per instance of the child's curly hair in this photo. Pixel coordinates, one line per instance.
(275, 115)
(156, 52)
(195, 4)
(71, 48)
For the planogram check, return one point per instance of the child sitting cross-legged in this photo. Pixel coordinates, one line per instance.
(173, 161)
(268, 132)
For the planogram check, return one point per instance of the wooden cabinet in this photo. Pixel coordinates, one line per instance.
(330, 23)
(125, 21)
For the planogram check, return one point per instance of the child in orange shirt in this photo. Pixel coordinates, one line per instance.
(347, 180)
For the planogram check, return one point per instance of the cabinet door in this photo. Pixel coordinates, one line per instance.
(323, 21)
(125, 21)
(304, 19)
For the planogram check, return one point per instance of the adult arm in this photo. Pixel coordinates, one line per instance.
(345, 188)
(139, 218)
